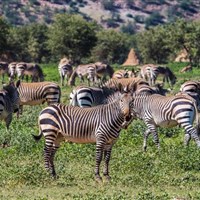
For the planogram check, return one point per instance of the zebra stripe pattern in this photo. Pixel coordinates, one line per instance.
(166, 111)
(150, 73)
(92, 96)
(12, 71)
(9, 102)
(65, 70)
(38, 93)
(192, 88)
(84, 125)
(123, 74)
(91, 74)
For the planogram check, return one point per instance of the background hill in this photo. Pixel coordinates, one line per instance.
(137, 14)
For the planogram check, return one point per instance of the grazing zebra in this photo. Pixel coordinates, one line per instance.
(12, 71)
(65, 70)
(100, 125)
(84, 96)
(9, 102)
(3, 69)
(123, 73)
(192, 88)
(30, 69)
(166, 111)
(38, 93)
(104, 70)
(126, 83)
(92, 74)
(150, 73)
(88, 70)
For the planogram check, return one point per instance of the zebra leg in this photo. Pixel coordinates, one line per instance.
(190, 130)
(107, 154)
(8, 120)
(56, 145)
(146, 135)
(187, 139)
(99, 154)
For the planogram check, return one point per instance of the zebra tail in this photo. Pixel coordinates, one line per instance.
(37, 137)
(197, 119)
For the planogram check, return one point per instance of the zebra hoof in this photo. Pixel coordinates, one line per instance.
(98, 179)
(145, 148)
(107, 178)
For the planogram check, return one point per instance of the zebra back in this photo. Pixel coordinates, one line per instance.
(39, 92)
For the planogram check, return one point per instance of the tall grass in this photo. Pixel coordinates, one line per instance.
(172, 172)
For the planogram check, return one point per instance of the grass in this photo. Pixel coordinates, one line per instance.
(172, 172)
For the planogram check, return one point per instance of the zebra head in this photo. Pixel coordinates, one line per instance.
(126, 105)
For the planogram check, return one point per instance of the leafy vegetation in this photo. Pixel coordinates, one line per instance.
(171, 173)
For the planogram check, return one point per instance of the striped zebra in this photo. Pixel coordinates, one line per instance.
(3, 70)
(9, 102)
(166, 111)
(124, 73)
(150, 73)
(84, 96)
(192, 88)
(12, 71)
(29, 69)
(100, 125)
(65, 70)
(81, 71)
(103, 70)
(92, 74)
(38, 93)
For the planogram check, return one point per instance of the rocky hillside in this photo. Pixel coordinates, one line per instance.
(127, 15)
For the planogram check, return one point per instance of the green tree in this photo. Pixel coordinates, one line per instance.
(71, 36)
(153, 45)
(112, 47)
(4, 32)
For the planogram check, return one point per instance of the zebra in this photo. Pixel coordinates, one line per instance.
(92, 74)
(150, 72)
(102, 70)
(100, 124)
(12, 71)
(126, 83)
(30, 69)
(192, 88)
(38, 93)
(165, 111)
(3, 70)
(65, 70)
(9, 102)
(84, 96)
(123, 73)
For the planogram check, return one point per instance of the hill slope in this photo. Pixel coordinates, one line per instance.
(139, 14)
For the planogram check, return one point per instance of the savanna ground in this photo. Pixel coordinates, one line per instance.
(171, 173)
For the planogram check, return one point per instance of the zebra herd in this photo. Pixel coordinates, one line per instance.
(97, 114)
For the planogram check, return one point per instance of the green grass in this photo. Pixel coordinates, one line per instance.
(172, 172)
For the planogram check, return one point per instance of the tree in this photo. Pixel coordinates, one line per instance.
(153, 45)
(71, 36)
(4, 32)
(112, 47)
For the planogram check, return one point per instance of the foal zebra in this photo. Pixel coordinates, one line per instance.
(38, 93)
(150, 73)
(65, 70)
(166, 111)
(101, 125)
(9, 102)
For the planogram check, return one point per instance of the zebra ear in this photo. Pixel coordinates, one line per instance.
(18, 83)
